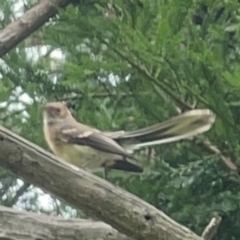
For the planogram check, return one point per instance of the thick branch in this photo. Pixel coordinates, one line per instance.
(15, 225)
(97, 197)
(34, 18)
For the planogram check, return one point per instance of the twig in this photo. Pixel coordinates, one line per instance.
(95, 95)
(207, 146)
(19, 193)
(211, 228)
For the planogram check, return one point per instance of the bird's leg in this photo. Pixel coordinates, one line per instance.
(105, 172)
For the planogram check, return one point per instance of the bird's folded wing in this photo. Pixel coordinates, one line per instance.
(91, 138)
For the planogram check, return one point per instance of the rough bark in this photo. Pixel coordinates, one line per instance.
(97, 197)
(32, 19)
(17, 225)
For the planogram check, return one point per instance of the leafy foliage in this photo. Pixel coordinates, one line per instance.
(129, 64)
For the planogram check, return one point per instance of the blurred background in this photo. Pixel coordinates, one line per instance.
(126, 64)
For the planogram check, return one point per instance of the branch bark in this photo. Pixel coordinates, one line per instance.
(15, 225)
(211, 228)
(32, 19)
(97, 197)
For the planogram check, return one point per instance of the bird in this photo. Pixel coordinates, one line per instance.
(89, 148)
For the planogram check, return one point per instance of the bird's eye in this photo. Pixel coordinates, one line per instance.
(58, 110)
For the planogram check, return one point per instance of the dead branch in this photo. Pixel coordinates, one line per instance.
(97, 197)
(211, 228)
(16, 224)
(32, 19)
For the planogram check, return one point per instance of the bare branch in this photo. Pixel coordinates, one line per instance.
(32, 19)
(19, 193)
(214, 150)
(97, 197)
(94, 95)
(211, 228)
(15, 225)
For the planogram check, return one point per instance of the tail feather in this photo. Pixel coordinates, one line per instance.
(180, 127)
(124, 165)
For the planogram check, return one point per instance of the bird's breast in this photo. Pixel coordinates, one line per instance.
(49, 136)
(83, 156)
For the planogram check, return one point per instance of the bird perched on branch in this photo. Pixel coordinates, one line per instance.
(91, 149)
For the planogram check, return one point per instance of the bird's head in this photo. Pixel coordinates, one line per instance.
(55, 112)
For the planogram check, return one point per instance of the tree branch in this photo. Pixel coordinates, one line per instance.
(97, 197)
(15, 225)
(32, 19)
(211, 228)
(214, 150)
(10, 202)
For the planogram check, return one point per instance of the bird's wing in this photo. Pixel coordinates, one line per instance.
(86, 136)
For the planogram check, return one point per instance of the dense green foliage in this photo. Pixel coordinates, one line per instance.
(128, 65)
